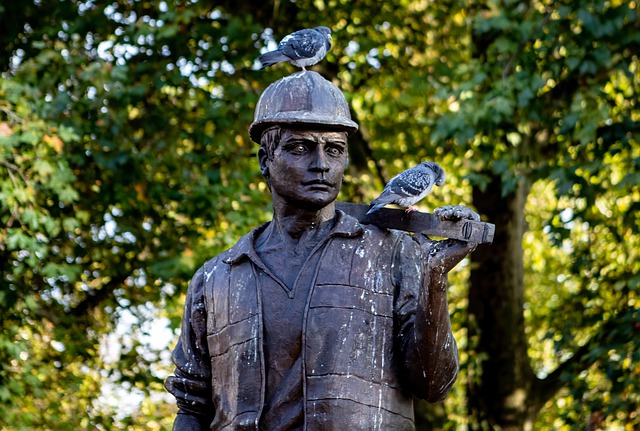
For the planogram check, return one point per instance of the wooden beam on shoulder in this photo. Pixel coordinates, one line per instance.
(464, 230)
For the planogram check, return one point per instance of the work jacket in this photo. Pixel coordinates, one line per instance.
(360, 356)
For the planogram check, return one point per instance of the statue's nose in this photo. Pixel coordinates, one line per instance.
(320, 162)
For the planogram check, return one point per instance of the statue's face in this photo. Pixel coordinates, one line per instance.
(307, 167)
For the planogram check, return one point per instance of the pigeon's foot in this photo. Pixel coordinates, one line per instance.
(410, 209)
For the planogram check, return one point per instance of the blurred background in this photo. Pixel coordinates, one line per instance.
(125, 163)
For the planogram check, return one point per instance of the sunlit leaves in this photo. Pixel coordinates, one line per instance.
(125, 163)
(113, 186)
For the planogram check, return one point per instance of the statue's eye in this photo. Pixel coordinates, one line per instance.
(300, 148)
(334, 151)
(297, 148)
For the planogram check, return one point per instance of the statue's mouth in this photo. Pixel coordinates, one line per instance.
(318, 183)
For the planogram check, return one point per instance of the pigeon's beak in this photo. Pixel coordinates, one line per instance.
(329, 37)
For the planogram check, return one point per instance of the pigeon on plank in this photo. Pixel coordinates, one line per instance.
(410, 186)
(301, 48)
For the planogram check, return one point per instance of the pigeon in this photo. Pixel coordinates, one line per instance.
(410, 186)
(301, 48)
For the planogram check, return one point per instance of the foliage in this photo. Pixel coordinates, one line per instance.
(125, 163)
(114, 166)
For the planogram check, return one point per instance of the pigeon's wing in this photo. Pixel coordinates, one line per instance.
(406, 188)
(272, 57)
(397, 188)
(386, 197)
(301, 44)
(412, 182)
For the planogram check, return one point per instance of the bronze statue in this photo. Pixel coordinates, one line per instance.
(315, 321)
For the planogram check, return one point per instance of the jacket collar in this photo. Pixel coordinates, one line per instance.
(346, 226)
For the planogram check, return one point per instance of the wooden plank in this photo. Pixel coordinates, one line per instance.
(427, 223)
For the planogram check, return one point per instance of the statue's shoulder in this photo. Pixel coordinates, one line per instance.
(238, 252)
(204, 272)
(387, 233)
(374, 234)
(220, 264)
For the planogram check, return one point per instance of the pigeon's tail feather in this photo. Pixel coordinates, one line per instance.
(377, 203)
(386, 197)
(271, 58)
(375, 207)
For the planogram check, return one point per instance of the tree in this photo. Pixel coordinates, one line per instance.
(116, 148)
(549, 105)
(126, 163)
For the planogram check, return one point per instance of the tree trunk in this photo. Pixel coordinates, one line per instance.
(500, 375)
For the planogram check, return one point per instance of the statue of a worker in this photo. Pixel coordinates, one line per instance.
(314, 321)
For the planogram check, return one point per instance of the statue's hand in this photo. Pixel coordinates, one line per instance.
(455, 213)
(442, 256)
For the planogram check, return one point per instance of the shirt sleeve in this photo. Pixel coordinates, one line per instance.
(191, 382)
(428, 348)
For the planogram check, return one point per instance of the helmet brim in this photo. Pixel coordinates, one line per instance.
(301, 119)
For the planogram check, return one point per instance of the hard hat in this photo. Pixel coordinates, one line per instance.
(302, 99)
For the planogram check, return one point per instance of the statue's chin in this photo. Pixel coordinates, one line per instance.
(315, 203)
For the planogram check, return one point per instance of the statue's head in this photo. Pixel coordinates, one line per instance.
(304, 100)
(308, 112)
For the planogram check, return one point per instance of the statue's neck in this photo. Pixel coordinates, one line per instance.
(290, 220)
(294, 234)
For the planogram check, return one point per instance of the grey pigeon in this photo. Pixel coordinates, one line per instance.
(301, 48)
(410, 186)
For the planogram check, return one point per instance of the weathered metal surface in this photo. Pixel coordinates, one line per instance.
(302, 99)
(296, 326)
(465, 230)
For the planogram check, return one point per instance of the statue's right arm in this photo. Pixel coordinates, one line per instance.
(191, 382)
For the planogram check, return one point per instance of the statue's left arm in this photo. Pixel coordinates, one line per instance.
(430, 349)
(191, 382)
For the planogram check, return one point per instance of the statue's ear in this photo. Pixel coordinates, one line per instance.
(263, 159)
